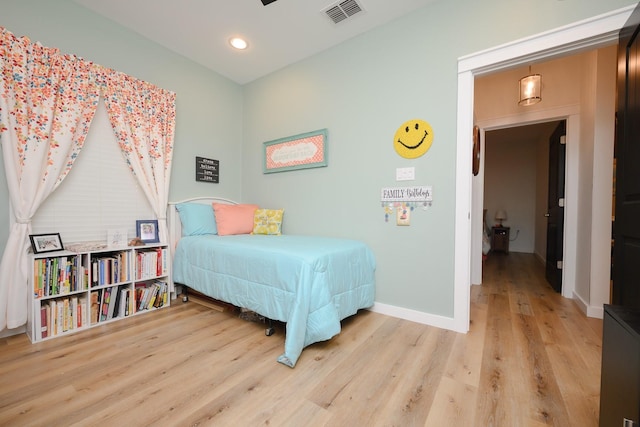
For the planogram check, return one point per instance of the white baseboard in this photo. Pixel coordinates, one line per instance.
(414, 316)
(589, 311)
(596, 312)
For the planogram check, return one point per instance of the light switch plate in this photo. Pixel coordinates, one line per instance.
(406, 174)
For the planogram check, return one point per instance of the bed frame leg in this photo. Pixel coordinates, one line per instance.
(185, 295)
(270, 329)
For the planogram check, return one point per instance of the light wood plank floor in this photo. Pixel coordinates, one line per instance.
(531, 358)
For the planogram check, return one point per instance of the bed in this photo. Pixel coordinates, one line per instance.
(311, 283)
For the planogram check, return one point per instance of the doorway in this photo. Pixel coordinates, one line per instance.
(517, 183)
(591, 33)
(580, 88)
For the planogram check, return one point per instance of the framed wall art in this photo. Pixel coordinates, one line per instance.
(307, 150)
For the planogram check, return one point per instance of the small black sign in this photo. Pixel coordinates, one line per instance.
(207, 170)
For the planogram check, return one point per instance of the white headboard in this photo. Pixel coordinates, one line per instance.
(173, 218)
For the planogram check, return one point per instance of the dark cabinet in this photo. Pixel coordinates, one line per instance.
(620, 381)
(500, 239)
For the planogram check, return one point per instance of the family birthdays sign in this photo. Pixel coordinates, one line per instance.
(407, 194)
(207, 170)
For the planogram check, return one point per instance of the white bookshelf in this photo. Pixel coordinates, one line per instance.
(74, 290)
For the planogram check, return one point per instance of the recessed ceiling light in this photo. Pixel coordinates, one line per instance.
(238, 43)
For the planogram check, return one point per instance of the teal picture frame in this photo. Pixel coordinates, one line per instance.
(302, 151)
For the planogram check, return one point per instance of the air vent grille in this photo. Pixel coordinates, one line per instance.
(340, 11)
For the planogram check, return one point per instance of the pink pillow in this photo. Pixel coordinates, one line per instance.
(234, 219)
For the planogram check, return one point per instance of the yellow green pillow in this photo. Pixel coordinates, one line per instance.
(268, 221)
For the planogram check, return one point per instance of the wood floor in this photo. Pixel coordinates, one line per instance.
(531, 358)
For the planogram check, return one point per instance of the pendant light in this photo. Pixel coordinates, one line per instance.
(530, 89)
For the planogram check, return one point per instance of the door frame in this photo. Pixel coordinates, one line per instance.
(598, 31)
(570, 113)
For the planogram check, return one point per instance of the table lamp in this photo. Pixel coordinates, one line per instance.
(501, 215)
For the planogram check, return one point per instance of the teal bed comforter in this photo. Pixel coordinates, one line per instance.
(311, 283)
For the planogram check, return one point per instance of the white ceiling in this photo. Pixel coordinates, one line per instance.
(279, 34)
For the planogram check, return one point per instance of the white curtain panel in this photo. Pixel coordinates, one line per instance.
(47, 102)
(143, 119)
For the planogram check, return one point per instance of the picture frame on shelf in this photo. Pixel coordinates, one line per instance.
(147, 230)
(117, 237)
(48, 242)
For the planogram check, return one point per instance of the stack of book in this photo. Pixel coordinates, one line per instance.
(151, 295)
(151, 263)
(59, 276)
(110, 269)
(111, 302)
(62, 315)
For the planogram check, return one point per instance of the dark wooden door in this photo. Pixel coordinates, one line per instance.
(626, 231)
(555, 207)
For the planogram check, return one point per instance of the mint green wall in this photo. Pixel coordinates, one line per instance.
(362, 91)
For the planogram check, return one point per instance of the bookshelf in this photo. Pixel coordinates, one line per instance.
(90, 285)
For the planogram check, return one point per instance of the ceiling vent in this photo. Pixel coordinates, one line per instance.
(342, 10)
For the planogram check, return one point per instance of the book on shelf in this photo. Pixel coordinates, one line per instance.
(59, 314)
(153, 293)
(94, 272)
(37, 275)
(74, 312)
(77, 274)
(62, 277)
(51, 317)
(131, 302)
(113, 298)
(66, 315)
(164, 256)
(157, 302)
(53, 285)
(123, 309)
(83, 316)
(161, 299)
(44, 321)
(95, 306)
(105, 298)
(142, 295)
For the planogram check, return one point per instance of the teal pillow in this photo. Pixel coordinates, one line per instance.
(197, 219)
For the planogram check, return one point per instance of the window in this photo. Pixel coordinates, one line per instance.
(100, 192)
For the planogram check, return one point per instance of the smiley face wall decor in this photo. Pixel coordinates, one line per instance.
(413, 138)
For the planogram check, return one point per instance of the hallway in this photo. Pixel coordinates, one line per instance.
(540, 350)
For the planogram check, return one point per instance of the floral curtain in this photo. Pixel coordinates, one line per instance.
(47, 102)
(143, 119)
